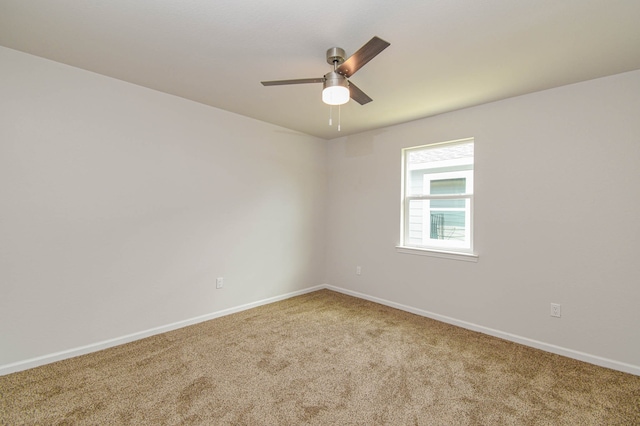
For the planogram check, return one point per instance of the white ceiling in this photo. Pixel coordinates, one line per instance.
(444, 54)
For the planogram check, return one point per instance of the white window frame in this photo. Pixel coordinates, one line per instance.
(452, 249)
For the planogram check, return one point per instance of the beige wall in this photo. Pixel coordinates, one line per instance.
(120, 206)
(556, 220)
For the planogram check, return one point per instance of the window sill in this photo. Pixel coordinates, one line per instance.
(453, 255)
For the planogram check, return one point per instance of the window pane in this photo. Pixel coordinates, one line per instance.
(448, 186)
(447, 204)
(447, 226)
(416, 230)
(416, 183)
(432, 162)
(440, 156)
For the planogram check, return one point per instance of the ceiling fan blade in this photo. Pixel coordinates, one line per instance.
(358, 95)
(298, 81)
(366, 53)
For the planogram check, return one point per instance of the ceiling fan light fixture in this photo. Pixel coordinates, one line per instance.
(335, 95)
(336, 89)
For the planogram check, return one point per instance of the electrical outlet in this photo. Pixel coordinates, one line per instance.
(358, 270)
(219, 282)
(555, 310)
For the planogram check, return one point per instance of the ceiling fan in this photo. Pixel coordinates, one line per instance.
(337, 88)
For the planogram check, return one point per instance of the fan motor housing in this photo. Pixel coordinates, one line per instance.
(332, 78)
(335, 55)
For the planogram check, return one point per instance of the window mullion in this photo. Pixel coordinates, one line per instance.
(438, 197)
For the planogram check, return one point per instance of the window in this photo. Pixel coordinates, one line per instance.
(437, 202)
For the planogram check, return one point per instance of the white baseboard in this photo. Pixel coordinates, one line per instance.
(581, 356)
(83, 350)
(94, 347)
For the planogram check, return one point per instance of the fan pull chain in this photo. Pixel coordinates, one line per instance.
(331, 116)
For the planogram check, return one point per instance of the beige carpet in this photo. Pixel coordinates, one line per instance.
(321, 358)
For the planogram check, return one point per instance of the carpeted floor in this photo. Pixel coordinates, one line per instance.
(323, 358)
